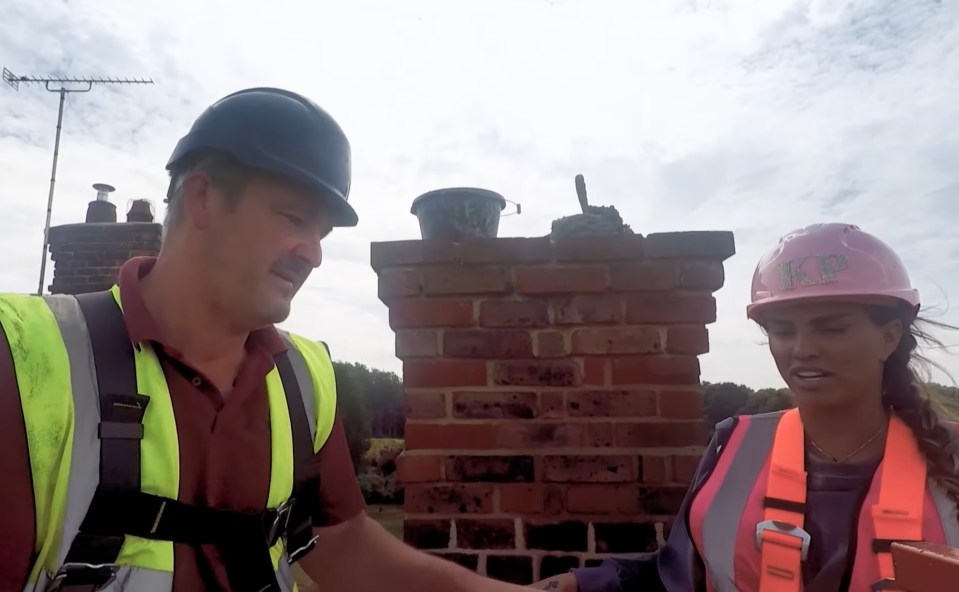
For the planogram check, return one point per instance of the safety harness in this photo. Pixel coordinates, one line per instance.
(897, 517)
(119, 509)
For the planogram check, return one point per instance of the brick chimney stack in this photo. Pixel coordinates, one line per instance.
(87, 256)
(552, 392)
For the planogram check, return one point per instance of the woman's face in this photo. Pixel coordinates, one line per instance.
(830, 353)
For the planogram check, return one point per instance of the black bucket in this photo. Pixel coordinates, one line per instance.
(458, 213)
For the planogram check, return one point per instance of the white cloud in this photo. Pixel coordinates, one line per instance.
(755, 116)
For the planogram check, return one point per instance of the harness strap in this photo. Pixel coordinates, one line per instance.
(118, 507)
(306, 482)
(897, 517)
(781, 539)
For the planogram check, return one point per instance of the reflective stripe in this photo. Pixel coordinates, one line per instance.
(85, 453)
(721, 522)
(307, 388)
(320, 370)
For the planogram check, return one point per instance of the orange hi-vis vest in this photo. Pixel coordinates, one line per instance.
(746, 520)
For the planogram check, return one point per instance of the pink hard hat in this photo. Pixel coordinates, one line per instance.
(830, 262)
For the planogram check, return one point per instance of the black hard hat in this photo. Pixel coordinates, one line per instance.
(280, 132)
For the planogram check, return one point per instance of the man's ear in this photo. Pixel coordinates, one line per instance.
(198, 199)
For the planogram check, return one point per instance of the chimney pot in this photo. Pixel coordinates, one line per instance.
(141, 210)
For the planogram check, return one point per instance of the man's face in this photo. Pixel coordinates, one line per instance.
(261, 248)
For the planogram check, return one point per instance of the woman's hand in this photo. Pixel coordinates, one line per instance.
(562, 583)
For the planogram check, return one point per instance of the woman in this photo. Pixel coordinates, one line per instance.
(811, 497)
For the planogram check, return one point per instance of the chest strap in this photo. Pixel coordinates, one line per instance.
(119, 508)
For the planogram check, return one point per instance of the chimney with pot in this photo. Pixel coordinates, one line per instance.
(87, 256)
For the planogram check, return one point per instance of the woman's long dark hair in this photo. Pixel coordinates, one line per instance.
(905, 392)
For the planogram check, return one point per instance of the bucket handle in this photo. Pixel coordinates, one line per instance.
(519, 209)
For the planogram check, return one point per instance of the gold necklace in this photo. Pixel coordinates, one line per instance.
(851, 454)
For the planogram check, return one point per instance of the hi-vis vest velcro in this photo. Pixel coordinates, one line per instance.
(95, 406)
(746, 519)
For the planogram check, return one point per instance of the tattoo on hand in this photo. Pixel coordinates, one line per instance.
(551, 586)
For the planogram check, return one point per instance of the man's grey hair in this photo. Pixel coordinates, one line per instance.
(226, 174)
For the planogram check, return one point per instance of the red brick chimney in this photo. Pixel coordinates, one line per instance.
(87, 256)
(552, 392)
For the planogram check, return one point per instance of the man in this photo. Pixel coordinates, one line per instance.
(171, 409)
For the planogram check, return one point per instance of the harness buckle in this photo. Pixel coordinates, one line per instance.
(295, 555)
(85, 576)
(280, 522)
(783, 528)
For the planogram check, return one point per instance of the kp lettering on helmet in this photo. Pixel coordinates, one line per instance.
(813, 270)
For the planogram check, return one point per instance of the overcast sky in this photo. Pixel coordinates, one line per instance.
(755, 116)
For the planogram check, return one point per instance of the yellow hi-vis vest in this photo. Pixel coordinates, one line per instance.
(54, 362)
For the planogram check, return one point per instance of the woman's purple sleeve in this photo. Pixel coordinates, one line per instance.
(676, 565)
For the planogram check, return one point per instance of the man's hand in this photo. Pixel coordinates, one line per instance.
(561, 583)
(360, 555)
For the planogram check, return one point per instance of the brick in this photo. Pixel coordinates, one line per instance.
(716, 245)
(515, 569)
(674, 370)
(465, 280)
(525, 435)
(554, 565)
(662, 500)
(444, 373)
(468, 498)
(468, 560)
(627, 499)
(431, 313)
(424, 405)
(411, 252)
(687, 339)
(514, 313)
(495, 405)
(606, 309)
(599, 434)
(656, 469)
(598, 247)
(495, 533)
(684, 467)
(589, 469)
(433, 436)
(592, 499)
(537, 373)
(560, 280)
(419, 469)
(618, 340)
(681, 404)
(702, 275)
(596, 372)
(427, 534)
(647, 276)
(660, 434)
(569, 536)
(398, 283)
(625, 537)
(674, 308)
(492, 469)
(619, 403)
(416, 343)
(554, 500)
(552, 405)
(487, 343)
(551, 344)
(505, 250)
(521, 499)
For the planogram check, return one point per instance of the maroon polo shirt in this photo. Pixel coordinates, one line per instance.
(224, 447)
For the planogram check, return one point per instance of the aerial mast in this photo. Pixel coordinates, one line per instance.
(61, 85)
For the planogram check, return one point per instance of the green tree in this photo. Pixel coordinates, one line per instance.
(722, 400)
(353, 408)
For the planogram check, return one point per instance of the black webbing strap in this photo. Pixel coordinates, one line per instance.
(120, 430)
(305, 496)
